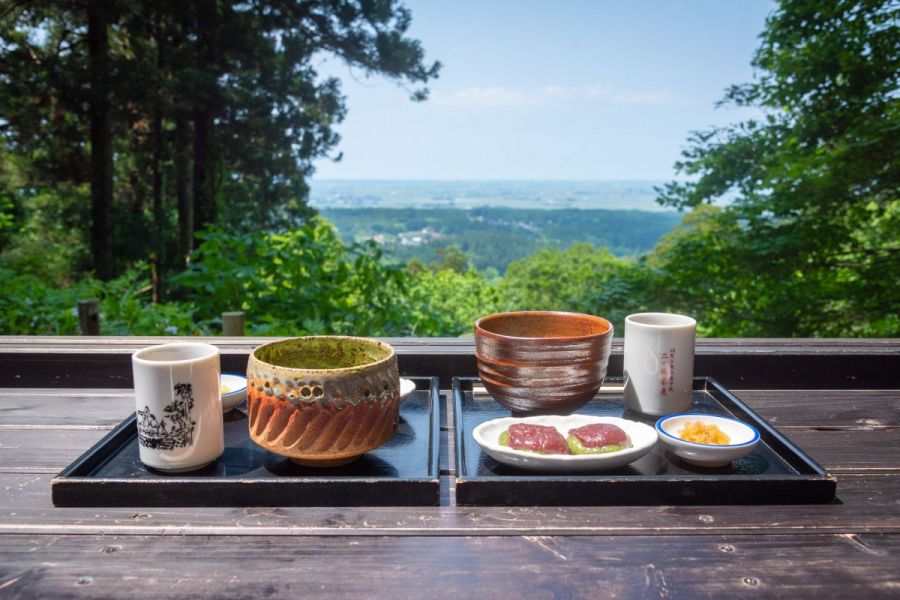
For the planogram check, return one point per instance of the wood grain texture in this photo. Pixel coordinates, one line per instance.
(841, 450)
(41, 361)
(47, 408)
(848, 549)
(43, 343)
(866, 503)
(858, 409)
(853, 566)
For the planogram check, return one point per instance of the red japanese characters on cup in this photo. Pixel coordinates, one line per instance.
(659, 362)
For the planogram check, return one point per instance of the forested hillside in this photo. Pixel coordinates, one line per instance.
(493, 237)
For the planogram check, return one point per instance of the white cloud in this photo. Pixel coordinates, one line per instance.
(502, 96)
(635, 97)
(483, 96)
(596, 90)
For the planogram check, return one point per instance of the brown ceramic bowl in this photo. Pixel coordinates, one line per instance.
(542, 362)
(323, 401)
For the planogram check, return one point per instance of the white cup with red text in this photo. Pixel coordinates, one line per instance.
(659, 362)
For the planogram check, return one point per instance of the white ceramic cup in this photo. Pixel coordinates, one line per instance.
(659, 362)
(179, 408)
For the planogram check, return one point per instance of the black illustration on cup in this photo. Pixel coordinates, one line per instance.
(175, 429)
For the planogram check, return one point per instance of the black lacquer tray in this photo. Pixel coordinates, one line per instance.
(777, 472)
(403, 472)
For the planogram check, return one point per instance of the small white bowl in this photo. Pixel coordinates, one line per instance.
(237, 391)
(744, 439)
(487, 435)
(407, 387)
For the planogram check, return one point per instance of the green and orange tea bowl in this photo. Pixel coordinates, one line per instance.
(323, 401)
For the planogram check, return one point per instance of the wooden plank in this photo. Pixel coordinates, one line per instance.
(89, 316)
(819, 364)
(40, 343)
(863, 566)
(48, 408)
(825, 408)
(867, 503)
(233, 323)
(43, 450)
(853, 450)
(24, 344)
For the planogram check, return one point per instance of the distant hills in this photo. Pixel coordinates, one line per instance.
(493, 237)
(611, 195)
(494, 223)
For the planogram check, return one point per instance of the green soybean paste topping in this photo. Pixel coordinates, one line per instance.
(576, 447)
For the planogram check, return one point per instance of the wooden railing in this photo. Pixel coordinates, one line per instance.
(44, 361)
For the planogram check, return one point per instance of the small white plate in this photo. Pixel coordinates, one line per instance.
(744, 439)
(237, 391)
(407, 387)
(487, 435)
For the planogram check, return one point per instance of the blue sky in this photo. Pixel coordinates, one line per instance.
(568, 90)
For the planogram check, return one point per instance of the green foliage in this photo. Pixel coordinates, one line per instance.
(696, 273)
(6, 218)
(126, 307)
(304, 281)
(9, 180)
(29, 305)
(448, 302)
(47, 241)
(809, 245)
(215, 103)
(580, 279)
(450, 258)
(553, 279)
(630, 290)
(32, 305)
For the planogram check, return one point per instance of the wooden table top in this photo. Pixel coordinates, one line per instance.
(850, 548)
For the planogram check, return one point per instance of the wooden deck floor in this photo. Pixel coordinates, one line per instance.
(850, 548)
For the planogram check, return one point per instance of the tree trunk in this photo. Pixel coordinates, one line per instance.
(158, 151)
(183, 186)
(158, 178)
(157, 256)
(204, 194)
(101, 151)
(204, 155)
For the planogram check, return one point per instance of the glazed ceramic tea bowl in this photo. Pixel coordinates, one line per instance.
(322, 400)
(542, 362)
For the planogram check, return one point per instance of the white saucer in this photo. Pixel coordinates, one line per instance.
(237, 391)
(407, 387)
(487, 435)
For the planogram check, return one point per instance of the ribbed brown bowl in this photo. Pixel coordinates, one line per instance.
(542, 362)
(323, 400)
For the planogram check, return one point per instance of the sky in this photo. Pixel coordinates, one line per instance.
(541, 90)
